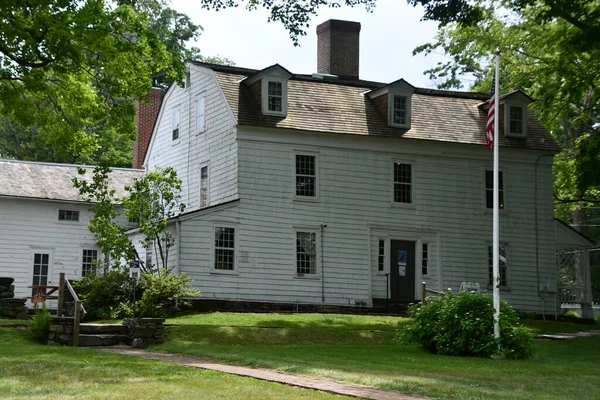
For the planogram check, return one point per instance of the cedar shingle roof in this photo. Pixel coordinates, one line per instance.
(54, 181)
(342, 107)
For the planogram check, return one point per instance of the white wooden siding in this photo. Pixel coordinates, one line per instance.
(32, 226)
(355, 183)
(215, 146)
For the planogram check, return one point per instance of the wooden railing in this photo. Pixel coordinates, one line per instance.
(64, 285)
(425, 291)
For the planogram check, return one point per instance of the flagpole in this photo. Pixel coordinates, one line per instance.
(496, 222)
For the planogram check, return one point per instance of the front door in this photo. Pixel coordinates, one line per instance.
(402, 270)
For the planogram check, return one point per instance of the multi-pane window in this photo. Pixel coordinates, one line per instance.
(306, 253)
(204, 186)
(68, 215)
(400, 110)
(424, 258)
(175, 124)
(41, 263)
(149, 250)
(306, 176)
(224, 248)
(502, 265)
(489, 189)
(200, 114)
(515, 120)
(402, 183)
(381, 256)
(88, 261)
(275, 96)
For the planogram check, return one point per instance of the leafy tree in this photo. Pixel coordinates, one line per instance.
(151, 201)
(71, 70)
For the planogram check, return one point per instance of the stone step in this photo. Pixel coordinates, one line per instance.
(102, 340)
(92, 329)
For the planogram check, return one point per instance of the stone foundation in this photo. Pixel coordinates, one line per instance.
(13, 308)
(61, 331)
(145, 332)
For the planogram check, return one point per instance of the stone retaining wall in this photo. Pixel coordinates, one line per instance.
(61, 331)
(13, 308)
(145, 332)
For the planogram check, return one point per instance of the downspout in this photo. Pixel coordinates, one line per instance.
(178, 235)
(322, 264)
(537, 234)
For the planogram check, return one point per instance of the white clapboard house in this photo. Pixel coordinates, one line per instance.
(328, 189)
(44, 223)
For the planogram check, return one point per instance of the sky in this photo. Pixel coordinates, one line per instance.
(387, 39)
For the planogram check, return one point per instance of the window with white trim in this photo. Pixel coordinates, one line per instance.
(516, 120)
(502, 265)
(175, 120)
(68, 215)
(489, 189)
(399, 110)
(204, 186)
(200, 114)
(224, 248)
(306, 253)
(402, 183)
(381, 256)
(149, 251)
(306, 175)
(275, 96)
(41, 265)
(89, 261)
(424, 258)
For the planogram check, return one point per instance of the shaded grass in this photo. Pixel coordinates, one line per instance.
(361, 349)
(33, 371)
(4, 321)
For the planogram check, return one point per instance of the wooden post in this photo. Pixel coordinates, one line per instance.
(61, 295)
(76, 322)
(423, 292)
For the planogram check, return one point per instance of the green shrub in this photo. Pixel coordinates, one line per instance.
(164, 294)
(40, 325)
(570, 314)
(107, 296)
(463, 325)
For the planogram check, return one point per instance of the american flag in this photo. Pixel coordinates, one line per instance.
(489, 132)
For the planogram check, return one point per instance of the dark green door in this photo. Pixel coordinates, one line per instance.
(402, 270)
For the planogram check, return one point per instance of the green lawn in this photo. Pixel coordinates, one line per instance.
(13, 321)
(361, 349)
(32, 371)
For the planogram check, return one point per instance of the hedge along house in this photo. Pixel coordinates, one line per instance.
(44, 223)
(328, 189)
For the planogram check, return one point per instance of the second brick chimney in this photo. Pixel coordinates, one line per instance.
(338, 48)
(145, 118)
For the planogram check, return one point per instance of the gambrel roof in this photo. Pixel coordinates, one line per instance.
(343, 107)
(48, 181)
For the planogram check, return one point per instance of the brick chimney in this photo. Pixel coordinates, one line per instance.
(144, 120)
(338, 48)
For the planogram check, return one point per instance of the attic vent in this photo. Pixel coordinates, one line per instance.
(324, 77)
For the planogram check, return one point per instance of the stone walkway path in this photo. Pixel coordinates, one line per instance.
(308, 382)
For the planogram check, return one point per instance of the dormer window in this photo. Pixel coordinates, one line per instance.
(275, 96)
(399, 110)
(514, 107)
(271, 84)
(516, 121)
(394, 102)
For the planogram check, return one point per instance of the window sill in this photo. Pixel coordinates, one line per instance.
(394, 204)
(306, 199)
(382, 273)
(175, 142)
(312, 277)
(224, 272)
